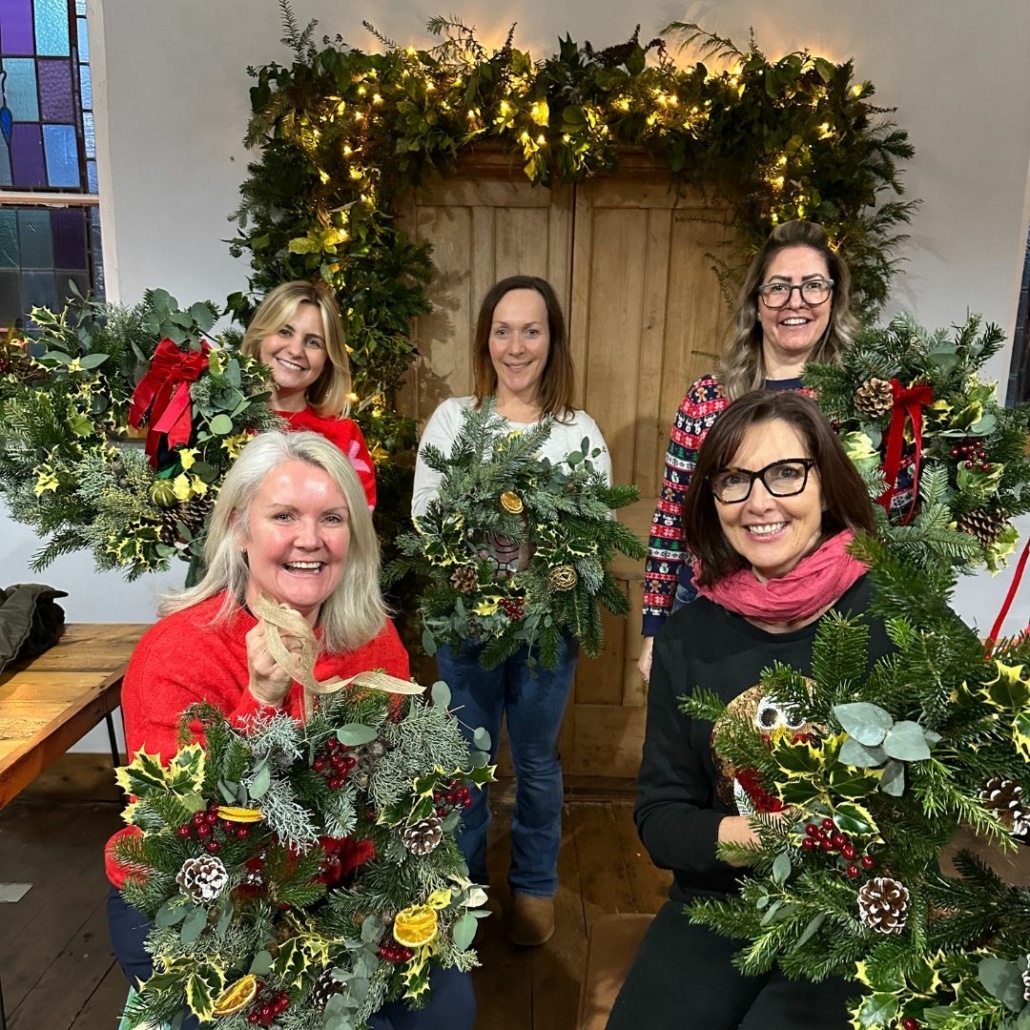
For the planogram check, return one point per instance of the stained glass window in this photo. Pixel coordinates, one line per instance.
(49, 220)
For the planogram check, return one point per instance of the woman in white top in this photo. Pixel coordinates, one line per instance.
(522, 360)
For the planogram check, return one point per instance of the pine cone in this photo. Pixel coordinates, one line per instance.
(192, 514)
(324, 988)
(874, 397)
(1026, 980)
(465, 579)
(203, 879)
(367, 757)
(883, 905)
(985, 524)
(1005, 797)
(423, 837)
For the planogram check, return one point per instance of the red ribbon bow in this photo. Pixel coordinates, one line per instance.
(908, 404)
(164, 392)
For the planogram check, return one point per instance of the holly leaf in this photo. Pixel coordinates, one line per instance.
(877, 1010)
(202, 987)
(850, 818)
(851, 783)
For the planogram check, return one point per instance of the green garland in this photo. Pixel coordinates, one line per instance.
(67, 467)
(238, 863)
(516, 548)
(974, 471)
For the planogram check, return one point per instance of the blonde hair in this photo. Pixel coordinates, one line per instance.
(355, 612)
(742, 367)
(330, 394)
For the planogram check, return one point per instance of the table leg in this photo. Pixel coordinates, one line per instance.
(116, 758)
(3, 1014)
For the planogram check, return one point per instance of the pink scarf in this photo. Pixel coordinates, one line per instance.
(815, 583)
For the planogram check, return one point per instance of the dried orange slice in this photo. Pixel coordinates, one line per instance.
(239, 815)
(511, 502)
(237, 996)
(415, 926)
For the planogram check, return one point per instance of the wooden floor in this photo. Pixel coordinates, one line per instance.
(58, 972)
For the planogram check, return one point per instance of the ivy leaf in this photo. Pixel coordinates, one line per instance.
(866, 722)
(905, 742)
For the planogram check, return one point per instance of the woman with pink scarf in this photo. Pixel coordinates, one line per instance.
(773, 504)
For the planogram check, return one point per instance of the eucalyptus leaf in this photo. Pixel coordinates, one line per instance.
(781, 868)
(224, 920)
(428, 643)
(464, 931)
(221, 425)
(193, 925)
(905, 742)
(170, 914)
(1003, 980)
(92, 360)
(261, 782)
(481, 738)
(853, 752)
(354, 734)
(369, 929)
(262, 964)
(811, 930)
(892, 781)
(441, 694)
(866, 722)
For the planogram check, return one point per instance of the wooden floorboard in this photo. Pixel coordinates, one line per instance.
(58, 972)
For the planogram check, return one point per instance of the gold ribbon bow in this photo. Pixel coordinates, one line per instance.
(281, 618)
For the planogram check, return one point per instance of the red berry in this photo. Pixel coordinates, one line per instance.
(853, 871)
(868, 862)
(203, 830)
(242, 833)
(211, 817)
(318, 764)
(910, 1023)
(332, 744)
(350, 761)
(186, 830)
(828, 845)
(266, 1013)
(198, 819)
(969, 464)
(848, 851)
(437, 795)
(808, 844)
(213, 846)
(336, 782)
(828, 824)
(253, 1018)
(466, 802)
(812, 830)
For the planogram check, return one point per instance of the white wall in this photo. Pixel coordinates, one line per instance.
(172, 79)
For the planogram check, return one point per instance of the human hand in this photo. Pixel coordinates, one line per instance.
(268, 681)
(646, 654)
(740, 829)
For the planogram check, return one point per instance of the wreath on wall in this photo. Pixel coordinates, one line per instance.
(246, 858)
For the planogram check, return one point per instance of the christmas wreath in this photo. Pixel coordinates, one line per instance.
(70, 400)
(515, 548)
(246, 853)
(911, 403)
(871, 775)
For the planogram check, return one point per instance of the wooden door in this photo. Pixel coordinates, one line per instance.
(631, 261)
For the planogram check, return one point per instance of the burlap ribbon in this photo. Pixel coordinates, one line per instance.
(279, 619)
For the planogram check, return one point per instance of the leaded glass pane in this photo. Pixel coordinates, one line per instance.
(27, 155)
(52, 36)
(62, 155)
(86, 87)
(83, 41)
(10, 298)
(37, 249)
(89, 134)
(56, 99)
(39, 290)
(20, 88)
(16, 31)
(10, 252)
(69, 233)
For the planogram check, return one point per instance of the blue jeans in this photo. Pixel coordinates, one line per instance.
(451, 1004)
(534, 703)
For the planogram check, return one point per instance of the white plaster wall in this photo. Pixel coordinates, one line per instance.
(172, 90)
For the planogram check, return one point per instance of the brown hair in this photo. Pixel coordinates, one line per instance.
(742, 367)
(846, 503)
(556, 386)
(329, 395)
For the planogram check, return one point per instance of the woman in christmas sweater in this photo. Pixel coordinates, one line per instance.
(769, 513)
(521, 359)
(298, 333)
(291, 524)
(794, 307)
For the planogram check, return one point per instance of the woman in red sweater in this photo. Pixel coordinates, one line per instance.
(291, 524)
(297, 332)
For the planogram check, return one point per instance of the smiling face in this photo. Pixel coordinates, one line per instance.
(520, 341)
(773, 533)
(296, 354)
(297, 538)
(791, 333)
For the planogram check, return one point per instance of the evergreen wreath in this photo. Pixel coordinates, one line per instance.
(873, 781)
(68, 467)
(516, 548)
(241, 862)
(923, 391)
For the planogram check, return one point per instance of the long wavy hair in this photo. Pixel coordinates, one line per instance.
(329, 395)
(846, 503)
(556, 386)
(355, 612)
(742, 367)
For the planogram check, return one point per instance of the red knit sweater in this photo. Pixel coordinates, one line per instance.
(343, 432)
(185, 659)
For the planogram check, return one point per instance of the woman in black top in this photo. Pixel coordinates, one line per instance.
(769, 513)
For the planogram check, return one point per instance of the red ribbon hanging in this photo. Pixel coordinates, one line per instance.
(908, 404)
(164, 392)
(1017, 576)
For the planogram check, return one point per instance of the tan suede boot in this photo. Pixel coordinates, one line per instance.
(532, 920)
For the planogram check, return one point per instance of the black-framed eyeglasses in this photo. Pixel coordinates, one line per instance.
(813, 292)
(783, 478)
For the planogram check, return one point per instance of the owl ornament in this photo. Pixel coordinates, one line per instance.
(743, 789)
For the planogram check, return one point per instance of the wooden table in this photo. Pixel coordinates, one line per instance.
(49, 703)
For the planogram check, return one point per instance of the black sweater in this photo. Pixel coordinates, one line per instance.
(678, 810)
